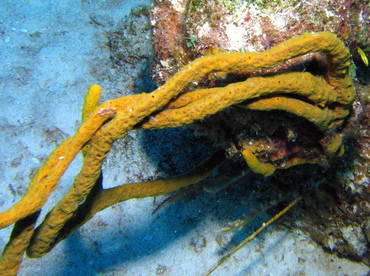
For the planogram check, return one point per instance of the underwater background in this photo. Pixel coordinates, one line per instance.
(52, 51)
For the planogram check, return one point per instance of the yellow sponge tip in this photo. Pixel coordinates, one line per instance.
(92, 99)
(256, 166)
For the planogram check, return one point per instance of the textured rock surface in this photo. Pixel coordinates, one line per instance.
(186, 29)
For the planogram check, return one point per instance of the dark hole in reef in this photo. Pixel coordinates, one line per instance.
(282, 133)
(315, 66)
(291, 96)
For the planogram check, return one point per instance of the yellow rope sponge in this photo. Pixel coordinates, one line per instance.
(199, 104)
(92, 99)
(48, 175)
(327, 103)
(265, 169)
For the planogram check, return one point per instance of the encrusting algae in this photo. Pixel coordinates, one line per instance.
(323, 101)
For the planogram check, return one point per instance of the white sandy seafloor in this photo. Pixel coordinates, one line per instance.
(50, 53)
